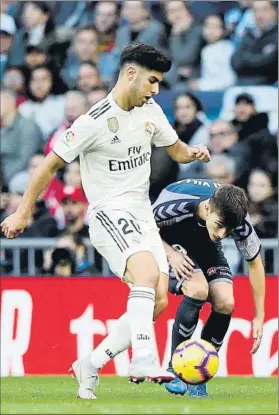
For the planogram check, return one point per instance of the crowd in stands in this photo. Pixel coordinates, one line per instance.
(58, 58)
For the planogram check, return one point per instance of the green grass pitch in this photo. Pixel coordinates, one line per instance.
(57, 395)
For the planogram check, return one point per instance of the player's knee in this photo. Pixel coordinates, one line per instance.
(150, 277)
(143, 270)
(225, 306)
(198, 291)
(202, 292)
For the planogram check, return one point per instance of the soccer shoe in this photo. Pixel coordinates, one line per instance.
(176, 386)
(140, 370)
(198, 391)
(87, 377)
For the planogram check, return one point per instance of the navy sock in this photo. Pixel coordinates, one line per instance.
(216, 328)
(186, 320)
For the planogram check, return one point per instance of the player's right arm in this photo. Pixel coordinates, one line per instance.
(15, 224)
(80, 137)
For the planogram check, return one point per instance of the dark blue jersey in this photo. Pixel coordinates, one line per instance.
(177, 204)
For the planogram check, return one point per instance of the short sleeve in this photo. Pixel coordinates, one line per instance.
(164, 135)
(80, 137)
(247, 240)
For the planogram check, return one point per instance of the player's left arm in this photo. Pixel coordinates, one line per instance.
(249, 245)
(183, 153)
(257, 281)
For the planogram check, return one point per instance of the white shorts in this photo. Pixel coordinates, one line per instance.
(117, 234)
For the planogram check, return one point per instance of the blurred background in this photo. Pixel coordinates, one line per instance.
(58, 58)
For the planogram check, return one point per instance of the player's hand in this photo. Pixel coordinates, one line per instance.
(257, 329)
(14, 225)
(182, 265)
(199, 152)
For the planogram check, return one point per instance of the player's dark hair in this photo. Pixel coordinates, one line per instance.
(231, 203)
(145, 56)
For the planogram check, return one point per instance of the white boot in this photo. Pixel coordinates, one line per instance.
(87, 377)
(142, 369)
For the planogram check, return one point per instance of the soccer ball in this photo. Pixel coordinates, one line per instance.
(195, 361)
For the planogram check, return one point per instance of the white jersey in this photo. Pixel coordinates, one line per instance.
(114, 147)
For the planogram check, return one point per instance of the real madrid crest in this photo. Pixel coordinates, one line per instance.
(149, 129)
(113, 124)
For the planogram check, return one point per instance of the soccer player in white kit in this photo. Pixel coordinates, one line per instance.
(113, 141)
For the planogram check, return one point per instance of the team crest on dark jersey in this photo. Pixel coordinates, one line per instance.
(113, 124)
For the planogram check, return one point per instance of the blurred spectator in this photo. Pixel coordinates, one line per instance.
(184, 43)
(38, 29)
(190, 124)
(63, 263)
(4, 200)
(72, 174)
(20, 137)
(106, 21)
(7, 6)
(85, 47)
(264, 96)
(88, 77)
(69, 13)
(247, 121)
(7, 32)
(239, 19)
(74, 203)
(34, 56)
(202, 9)
(216, 71)
(224, 139)
(255, 60)
(15, 78)
(43, 106)
(76, 244)
(263, 148)
(96, 95)
(75, 104)
(190, 121)
(221, 169)
(264, 207)
(140, 26)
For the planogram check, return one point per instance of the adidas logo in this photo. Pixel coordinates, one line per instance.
(115, 140)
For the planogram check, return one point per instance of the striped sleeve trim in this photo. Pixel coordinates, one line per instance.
(96, 113)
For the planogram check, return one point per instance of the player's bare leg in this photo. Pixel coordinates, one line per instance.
(144, 274)
(119, 339)
(161, 296)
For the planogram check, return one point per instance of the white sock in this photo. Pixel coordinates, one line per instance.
(140, 308)
(118, 340)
